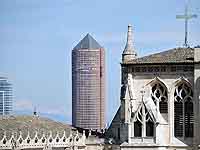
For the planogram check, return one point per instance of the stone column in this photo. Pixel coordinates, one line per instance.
(171, 114)
(129, 132)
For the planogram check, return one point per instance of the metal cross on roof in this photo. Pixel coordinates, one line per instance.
(187, 17)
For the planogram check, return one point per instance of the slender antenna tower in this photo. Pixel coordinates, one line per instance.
(186, 17)
(35, 111)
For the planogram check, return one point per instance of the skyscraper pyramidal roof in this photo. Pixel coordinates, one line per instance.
(88, 42)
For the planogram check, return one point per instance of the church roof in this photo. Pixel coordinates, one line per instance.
(31, 124)
(88, 42)
(176, 55)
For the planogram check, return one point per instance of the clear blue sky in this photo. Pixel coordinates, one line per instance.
(37, 36)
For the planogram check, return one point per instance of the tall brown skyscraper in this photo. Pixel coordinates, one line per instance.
(88, 84)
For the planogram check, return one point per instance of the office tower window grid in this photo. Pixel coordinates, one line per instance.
(5, 97)
(88, 108)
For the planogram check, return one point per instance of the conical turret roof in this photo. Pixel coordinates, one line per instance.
(88, 42)
(129, 49)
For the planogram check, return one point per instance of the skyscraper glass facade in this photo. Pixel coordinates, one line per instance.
(88, 85)
(5, 97)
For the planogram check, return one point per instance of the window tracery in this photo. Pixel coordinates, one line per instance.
(183, 111)
(143, 123)
(159, 96)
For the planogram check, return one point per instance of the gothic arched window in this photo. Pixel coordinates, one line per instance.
(159, 96)
(183, 111)
(149, 126)
(138, 123)
(143, 124)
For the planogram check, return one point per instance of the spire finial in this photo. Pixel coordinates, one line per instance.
(186, 17)
(129, 52)
(129, 42)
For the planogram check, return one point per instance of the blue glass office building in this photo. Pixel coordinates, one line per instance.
(5, 97)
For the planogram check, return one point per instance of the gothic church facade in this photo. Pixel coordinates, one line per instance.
(160, 100)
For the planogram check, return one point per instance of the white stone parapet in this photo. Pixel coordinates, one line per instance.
(46, 141)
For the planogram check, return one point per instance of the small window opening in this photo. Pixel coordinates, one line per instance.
(137, 129)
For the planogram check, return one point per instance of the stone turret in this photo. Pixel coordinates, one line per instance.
(129, 52)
